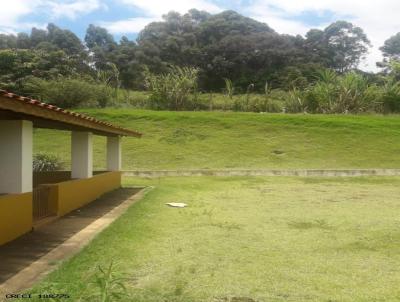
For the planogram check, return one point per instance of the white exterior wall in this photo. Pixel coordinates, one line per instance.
(113, 153)
(15, 156)
(81, 154)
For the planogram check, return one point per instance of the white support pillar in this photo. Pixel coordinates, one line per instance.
(15, 156)
(113, 153)
(81, 154)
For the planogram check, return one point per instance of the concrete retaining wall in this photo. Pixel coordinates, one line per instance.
(268, 172)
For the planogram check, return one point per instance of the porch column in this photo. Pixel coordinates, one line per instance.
(15, 156)
(81, 154)
(113, 153)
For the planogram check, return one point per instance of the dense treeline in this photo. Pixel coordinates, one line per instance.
(227, 46)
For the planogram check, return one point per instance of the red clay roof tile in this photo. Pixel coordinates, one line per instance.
(32, 102)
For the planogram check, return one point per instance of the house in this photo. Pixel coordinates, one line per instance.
(26, 198)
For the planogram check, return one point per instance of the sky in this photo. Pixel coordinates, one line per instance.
(379, 19)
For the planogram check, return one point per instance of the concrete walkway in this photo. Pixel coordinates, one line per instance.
(267, 172)
(28, 259)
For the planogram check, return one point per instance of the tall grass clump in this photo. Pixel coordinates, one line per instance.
(173, 90)
(108, 286)
(390, 97)
(295, 101)
(229, 90)
(340, 94)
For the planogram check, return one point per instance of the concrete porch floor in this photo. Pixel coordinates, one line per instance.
(29, 258)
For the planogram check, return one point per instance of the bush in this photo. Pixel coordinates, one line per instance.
(273, 106)
(68, 92)
(335, 94)
(173, 90)
(177, 90)
(46, 162)
(390, 97)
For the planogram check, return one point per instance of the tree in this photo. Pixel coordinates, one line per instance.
(316, 48)
(172, 40)
(97, 36)
(347, 44)
(8, 41)
(14, 65)
(38, 36)
(242, 49)
(65, 40)
(390, 50)
(109, 56)
(340, 46)
(23, 41)
(128, 64)
(101, 45)
(225, 45)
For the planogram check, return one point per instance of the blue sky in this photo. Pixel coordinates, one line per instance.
(128, 17)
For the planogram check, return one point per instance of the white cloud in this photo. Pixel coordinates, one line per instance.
(279, 23)
(153, 11)
(72, 9)
(12, 11)
(132, 25)
(158, 8)
(11, 17)
(21, 26)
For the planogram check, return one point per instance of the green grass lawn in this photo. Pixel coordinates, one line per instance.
(259, 238)
(210, 140)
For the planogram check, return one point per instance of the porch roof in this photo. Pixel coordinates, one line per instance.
(44, 115)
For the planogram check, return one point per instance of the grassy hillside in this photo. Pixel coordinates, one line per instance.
(189, 140)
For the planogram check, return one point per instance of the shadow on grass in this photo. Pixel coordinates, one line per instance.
(307, 225)
(384, 243)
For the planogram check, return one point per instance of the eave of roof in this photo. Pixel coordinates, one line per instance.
(64, 119)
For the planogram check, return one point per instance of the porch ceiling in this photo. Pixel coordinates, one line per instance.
(48, 116)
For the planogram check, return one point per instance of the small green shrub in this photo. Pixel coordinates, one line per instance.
(45, 162)
(109, 287)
